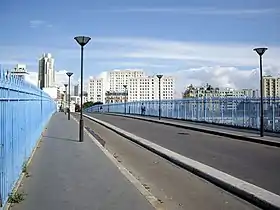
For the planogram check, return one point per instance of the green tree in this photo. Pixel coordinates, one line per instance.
(88, 104)
(97, 103)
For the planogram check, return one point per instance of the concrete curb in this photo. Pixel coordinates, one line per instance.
(22, 175)
(205, 130)
(255, 195)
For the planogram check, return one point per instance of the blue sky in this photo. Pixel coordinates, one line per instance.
(156, 35)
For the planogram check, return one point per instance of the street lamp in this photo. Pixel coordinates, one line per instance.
(125, 91)
(65, 101)
(260, 52)
(159, 76)
(82, 41)
(69, 74)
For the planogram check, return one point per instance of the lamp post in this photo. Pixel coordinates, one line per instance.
(260, 52)
(65, 101)
(82, 41)
(159, 76)
(125, 91)
(69, 74)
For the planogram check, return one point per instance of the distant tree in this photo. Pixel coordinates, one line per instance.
(88, 104)
(97, 103)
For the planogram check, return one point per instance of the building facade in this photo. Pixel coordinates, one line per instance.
(46, 74)
(271, 87)
(115, 97)
(147, 88)
(20, 71)
(77, 99)
(76, 90)
(210, 92)
(96, 90)
(118, 78)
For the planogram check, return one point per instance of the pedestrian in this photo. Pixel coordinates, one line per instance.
(143, 109)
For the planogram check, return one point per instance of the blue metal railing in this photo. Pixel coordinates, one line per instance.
(237, 112)
(24, 112)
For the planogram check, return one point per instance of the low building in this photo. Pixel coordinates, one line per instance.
(20, 71)
(115, 97)
(96, 90)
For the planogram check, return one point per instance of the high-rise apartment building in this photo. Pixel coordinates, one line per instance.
(76, 90)
(147, 88)
(96, 91)
(271, 86)
(46, 76)
(119, 78)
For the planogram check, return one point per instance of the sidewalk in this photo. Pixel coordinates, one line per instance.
(240, 135)
(66, 174)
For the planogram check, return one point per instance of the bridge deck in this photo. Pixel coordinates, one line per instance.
(255, 163)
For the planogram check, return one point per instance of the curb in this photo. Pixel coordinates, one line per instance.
(249, 192)
(217, 133)
(20, 179)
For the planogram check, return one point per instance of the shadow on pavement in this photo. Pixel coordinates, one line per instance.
(66, 139)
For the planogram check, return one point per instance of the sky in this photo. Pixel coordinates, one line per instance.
(197, 41)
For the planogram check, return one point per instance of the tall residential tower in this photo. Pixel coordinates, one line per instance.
(46, 76)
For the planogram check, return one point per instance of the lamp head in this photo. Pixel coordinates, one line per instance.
(69, 74)
(82, 40)
(65, 85)
(260, 50)
(159, 76)
(125, 86)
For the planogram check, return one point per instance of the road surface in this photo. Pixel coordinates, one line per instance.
(255, 163)
(175, 187)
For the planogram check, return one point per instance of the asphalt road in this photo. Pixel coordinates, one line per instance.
(176, 188)
(255, 163)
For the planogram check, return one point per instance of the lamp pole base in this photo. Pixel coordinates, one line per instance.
(81, 136)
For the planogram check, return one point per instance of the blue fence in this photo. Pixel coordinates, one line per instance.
(24, 112)
(237, 112)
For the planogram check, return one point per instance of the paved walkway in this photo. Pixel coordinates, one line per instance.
(67, 174)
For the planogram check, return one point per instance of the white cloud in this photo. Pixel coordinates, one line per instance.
(191, 52)
(196, 11)
(122, 64)
(39, 23)
(32, 78)
(150, 53)
(222, 77)
(36, 23)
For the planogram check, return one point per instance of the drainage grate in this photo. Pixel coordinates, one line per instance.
(96, 136)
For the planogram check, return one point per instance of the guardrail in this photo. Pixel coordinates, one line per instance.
(236, 112)
(24, 112)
